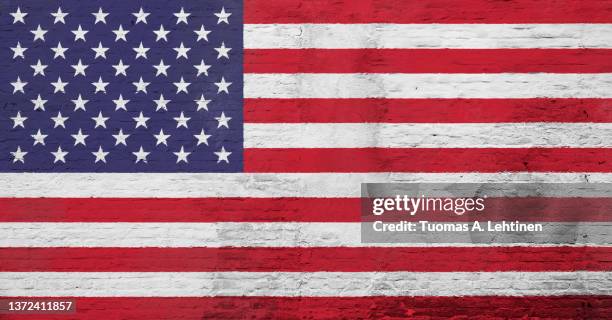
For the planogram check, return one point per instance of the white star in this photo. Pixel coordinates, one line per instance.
(181, 155)
(223, 120)
(120, 138)
(18, 120)
(161, 103)
(18, 85)
(79, 138)
(202, 137)
(202, 34)
(181, 121)
(161, 68)
(223, 155)
(18, 51)
(141, 85)
(18, 16)
(100, 120)
(120, 68)
(181, 16)
(39, 68)
(79, 68)
(202, 103)
(39, 103)
(39, 138)
(79, 103)
(223, 51)
(59, 16)
(39, 33)
(120, 34)
(141, 120)
(59, 155)
(59, 51)
(100, 85)
(19, 155)
(59, 85)
(59, 121)
(100, 16)
(182, 86)
(223, 16)
(141, 155)
(223, 86)
(100, 51)
(182, 51)
(141, 51)
(161, 137)
(79, 34)
(161, 33)
(141, 16)
(202, 68)
(100, 155)
(120, 103)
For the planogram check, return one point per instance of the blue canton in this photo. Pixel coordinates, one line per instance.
(121, 86)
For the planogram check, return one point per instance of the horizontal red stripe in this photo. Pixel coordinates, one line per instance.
(434, 259)
(184, 308)
(427, 60)
(427, 110)
(429, 160)
(178, 210)
(537, 209)
(430, 11)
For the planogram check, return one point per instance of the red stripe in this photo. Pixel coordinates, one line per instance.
(178, 210)
(427, 60)
(538, 209)
(431, 11)
(427, 110)
(429, 160)
(535, 209)
(185, 308)
(434, 259)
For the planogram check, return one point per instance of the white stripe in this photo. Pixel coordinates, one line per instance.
(472, 36)
(427, 135)
(502, 85)
(246, 234)
(193, 185)
(313, 284)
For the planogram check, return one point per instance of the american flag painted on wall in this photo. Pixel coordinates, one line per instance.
(203, 159)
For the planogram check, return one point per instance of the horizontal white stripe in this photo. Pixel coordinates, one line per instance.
(427, 135)
(258, 234)
(502, 85)
(193, 185)
(295, 36)
(313, 284)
